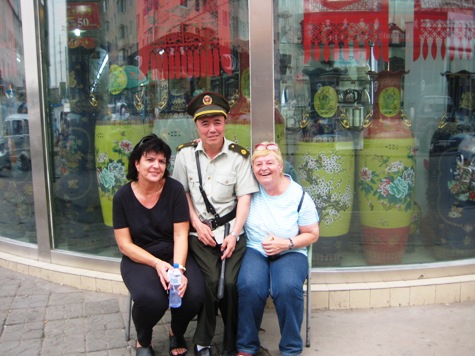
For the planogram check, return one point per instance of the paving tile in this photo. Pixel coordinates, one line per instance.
(6, 302)
(55, 312)
(23, 331)
(23, 301)
(108, 306)
(26, 315)
(28, 347)
(66, 298)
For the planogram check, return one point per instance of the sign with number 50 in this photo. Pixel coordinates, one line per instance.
(83, 16)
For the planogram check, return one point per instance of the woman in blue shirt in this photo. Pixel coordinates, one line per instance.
(282, 223)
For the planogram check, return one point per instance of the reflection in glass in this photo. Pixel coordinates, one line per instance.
(369, 149)
(17, 218)
(122, 70)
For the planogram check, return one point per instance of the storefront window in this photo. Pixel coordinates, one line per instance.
(119, 70)
(17, 216)
(378, 100)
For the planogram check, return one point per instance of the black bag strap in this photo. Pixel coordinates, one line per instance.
(209, 207)
(301, 200)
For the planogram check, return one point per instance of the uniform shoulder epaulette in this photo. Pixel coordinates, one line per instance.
(187, 144)
(239, 149)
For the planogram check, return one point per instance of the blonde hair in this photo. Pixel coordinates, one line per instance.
(265, 152)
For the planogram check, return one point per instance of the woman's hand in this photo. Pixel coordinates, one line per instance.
(183, 285)
(274, 245)
(162, 268)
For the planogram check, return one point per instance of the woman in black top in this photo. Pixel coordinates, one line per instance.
(151, 223)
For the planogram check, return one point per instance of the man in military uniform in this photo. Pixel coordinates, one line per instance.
(223, 170)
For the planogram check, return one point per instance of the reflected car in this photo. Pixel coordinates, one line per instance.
(16, 134)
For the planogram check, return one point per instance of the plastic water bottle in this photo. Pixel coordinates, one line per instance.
(175, 280)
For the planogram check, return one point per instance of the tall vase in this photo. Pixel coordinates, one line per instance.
(75, 187)
(326, 170)
(114, 143)
(175, 129)
(238, 123)
(386, 175)
(325, 162)
(451, 191)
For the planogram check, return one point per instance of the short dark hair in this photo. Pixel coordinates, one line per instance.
(149, 143)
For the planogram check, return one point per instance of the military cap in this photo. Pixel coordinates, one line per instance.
(208, 104)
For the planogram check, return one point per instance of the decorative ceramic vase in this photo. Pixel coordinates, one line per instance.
(325, 163)
(414, 227)
(238, 123)
(175, 129)
(326, 170)
(451, 191)
(114, 143)
(386, 175)
(75, 187)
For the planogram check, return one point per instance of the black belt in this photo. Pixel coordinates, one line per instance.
(218, 221)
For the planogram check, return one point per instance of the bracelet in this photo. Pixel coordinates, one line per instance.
(235, 235)
(291, 244)
(183, 268)
(156, 263)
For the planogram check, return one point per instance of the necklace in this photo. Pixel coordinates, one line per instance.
(151, 195)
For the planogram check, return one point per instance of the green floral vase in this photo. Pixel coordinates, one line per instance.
(326, 170)
(113, 145)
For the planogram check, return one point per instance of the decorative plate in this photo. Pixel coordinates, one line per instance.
(389, 101)
(325, 101)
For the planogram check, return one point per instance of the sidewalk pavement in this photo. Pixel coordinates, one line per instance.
(44, 318)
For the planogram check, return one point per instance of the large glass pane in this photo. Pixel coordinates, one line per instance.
(119, 70)
(17, 216)
(378, 98)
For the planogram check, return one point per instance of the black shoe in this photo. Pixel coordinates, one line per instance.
(177, 342)
(145, 351)
(203, 352)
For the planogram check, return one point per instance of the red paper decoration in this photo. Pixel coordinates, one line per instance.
(192, 41)
(437, 30)
(336, 26)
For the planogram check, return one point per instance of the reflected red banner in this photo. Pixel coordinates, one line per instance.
(185, 41)
(438, 30)
(331, 28)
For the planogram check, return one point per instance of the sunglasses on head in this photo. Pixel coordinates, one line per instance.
(146, 139)
(266, 146)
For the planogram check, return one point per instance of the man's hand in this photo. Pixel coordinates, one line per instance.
(228, 246)
(205, 235)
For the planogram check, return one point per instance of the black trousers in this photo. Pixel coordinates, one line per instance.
(151, 299)
(208, 258)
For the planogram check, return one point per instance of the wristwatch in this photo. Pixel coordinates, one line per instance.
(291, 244)
(235, 235)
